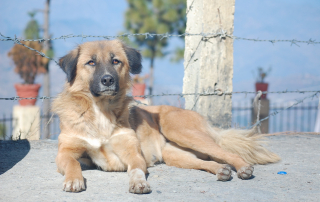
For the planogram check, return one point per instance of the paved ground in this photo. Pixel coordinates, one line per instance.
(28, 173)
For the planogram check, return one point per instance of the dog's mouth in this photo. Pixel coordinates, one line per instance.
(107, 92)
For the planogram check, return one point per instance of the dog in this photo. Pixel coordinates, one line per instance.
(98, 126)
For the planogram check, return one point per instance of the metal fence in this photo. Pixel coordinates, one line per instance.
(6, 126)
(299, 118)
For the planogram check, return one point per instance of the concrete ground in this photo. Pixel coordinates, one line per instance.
(28, 173)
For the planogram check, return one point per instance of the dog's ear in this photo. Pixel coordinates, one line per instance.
(134, 59)
(68, 64)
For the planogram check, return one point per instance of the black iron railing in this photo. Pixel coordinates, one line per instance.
(300, 118)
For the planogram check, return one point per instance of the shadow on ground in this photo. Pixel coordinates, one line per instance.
(12, 152)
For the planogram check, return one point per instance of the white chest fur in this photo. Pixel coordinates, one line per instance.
(98, 143)
(104, 125)
(95, 143)
(101, 153)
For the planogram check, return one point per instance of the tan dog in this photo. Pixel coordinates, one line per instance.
(97, 122)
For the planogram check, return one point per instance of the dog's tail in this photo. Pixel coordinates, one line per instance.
(245, 143)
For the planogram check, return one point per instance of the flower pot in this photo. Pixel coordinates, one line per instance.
(262, 87)
(27, 91)
(138, 90)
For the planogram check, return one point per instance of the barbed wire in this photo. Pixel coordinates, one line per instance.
(221, 34)
(217, 93)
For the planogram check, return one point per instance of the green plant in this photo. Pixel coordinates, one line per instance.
(3, 130)
(262, 74)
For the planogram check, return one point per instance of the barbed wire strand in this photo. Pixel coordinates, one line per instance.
(217, 93)
(221, 34)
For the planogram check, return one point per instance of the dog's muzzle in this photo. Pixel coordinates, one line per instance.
(104, 86)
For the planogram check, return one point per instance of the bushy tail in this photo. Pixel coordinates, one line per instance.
(247, 144)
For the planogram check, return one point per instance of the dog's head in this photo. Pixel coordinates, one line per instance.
(101, 67)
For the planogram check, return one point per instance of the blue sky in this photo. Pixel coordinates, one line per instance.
(293, 67)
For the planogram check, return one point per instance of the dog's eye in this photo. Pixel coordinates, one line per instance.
(115, 61)
(92, 63)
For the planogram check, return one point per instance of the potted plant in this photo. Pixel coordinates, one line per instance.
(261, 85)
(28, 64)
(138, 87)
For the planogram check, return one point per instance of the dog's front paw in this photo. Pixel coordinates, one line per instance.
(74, 185)
(245, 172)
(224, 173)
(138, 183)
(139, 187)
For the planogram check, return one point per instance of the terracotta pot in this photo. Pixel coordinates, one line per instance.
(262, 87)
(138, 90)
(26, 91)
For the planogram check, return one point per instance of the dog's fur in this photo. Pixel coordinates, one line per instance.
(97, 122)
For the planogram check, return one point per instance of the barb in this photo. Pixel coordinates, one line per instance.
(218, 92)
(258, 123)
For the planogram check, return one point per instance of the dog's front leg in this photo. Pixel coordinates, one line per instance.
(69, 166)
(127, 147)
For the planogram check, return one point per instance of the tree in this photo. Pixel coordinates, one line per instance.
(155, 17)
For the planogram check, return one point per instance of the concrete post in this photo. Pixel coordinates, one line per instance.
(317, 125)
(209, 61)
(46, 76)
(26, 122)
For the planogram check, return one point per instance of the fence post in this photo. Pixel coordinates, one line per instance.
(46, 76)
(208, 62)
(317, 124)
(26, 122)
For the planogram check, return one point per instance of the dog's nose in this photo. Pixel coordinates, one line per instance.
(107, 80)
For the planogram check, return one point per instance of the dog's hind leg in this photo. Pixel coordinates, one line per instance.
(173, 155)
(201, 142)
(189, 129)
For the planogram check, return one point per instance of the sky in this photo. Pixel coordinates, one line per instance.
(293, 67)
